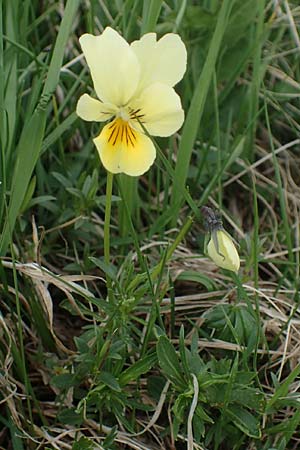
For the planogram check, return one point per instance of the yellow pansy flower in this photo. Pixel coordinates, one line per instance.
(134, 85)
(226, 255)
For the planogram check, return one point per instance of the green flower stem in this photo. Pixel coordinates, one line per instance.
(109, 185)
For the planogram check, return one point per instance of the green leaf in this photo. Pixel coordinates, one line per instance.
(108, 269)
(137, 369)
(196, 277)
(168, 361)
(63, 381)
(109, 440)
(200, 412)
(283, 389)
(65, 182)
(84, 444)
(40, 200)
(247, 396)
(28, 195)
(17, 442)
(109, 380)
(183, 353)
(155, 385)
(70, 416)
(245, 421)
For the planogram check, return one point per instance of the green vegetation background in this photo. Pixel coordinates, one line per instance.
(183, 355)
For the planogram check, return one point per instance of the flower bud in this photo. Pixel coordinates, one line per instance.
(225, 255)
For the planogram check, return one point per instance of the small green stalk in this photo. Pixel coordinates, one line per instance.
(109, 185)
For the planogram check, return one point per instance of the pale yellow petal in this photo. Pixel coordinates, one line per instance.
(231, 251)
(159, 109)
(124, 150)
(226, 256)
(114, 66)
(90, 109)
(163, 61)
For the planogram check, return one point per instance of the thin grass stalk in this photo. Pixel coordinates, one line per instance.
(218, 139)
(2, 123)
(21, 348)
(130, 193)
(256, 78)
(130, 22)
(255, 243)
(108, 198)
(195, 112)
(151, 10)
(281, 196)
(180, 15)
(30, 143)
(11, 77)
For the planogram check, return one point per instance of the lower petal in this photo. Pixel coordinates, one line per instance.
(124, 150)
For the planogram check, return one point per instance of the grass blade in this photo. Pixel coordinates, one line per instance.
(151, 12)
(31, 139)
(196, 109)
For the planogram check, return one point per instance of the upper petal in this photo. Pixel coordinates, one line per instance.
(124, 150)
(163, 60)
(159, 109)
(113, 64)
(90, 109)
